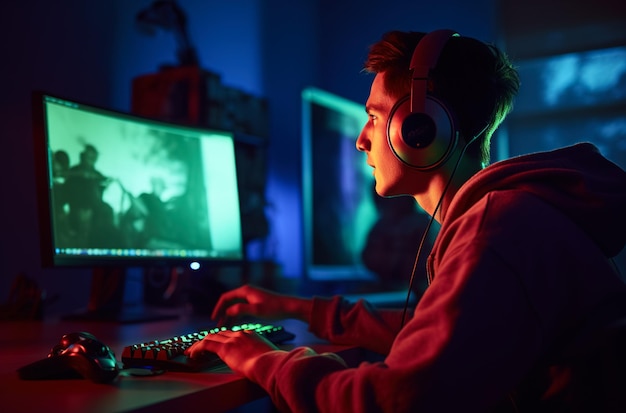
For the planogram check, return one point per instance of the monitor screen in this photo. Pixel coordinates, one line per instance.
(351, 233)
(115, 189)
(338, 202)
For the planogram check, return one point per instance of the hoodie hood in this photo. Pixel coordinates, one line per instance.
(577, 180)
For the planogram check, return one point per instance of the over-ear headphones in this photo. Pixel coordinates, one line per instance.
(423, 135)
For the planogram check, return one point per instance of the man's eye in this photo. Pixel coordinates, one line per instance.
(372, 117)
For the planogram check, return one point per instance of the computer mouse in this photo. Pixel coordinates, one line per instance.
(77, 355)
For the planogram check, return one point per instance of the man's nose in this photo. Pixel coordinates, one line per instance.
(362, 142)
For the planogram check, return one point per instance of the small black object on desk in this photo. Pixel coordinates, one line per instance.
(77, 355)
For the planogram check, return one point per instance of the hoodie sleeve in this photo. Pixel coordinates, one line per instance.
(515, 276)
(441, 351)
(358, 324)
(474, 335)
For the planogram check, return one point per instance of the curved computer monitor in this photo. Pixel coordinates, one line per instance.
(120, 190)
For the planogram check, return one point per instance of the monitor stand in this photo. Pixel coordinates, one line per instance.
(107, 301)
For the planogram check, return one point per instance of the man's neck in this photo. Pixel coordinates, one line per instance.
(444, 186)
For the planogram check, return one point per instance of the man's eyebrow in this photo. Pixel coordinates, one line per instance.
(372, 106)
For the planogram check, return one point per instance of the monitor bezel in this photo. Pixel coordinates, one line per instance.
(45, 220)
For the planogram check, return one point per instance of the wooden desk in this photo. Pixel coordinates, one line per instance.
(219, 390)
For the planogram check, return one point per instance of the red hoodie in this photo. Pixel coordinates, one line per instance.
(522, 286)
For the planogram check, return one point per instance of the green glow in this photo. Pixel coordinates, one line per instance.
(334, 102)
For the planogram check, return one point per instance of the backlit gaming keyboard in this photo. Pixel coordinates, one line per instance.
(168, 354)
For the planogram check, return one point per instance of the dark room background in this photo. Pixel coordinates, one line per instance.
(91, 50)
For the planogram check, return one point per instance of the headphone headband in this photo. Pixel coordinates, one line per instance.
(420, 128)
(424, 59)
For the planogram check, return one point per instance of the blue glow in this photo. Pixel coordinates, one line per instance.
(559, 76)
(573, 80)
(337, 187)
(583, 75)
(571, 98)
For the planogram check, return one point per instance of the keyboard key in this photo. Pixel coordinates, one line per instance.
(168, 353)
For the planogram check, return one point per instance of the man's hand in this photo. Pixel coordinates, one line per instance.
(238, 349)
(260, 303)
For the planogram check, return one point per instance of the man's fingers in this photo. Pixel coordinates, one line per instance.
(225, 301)
(212, 342)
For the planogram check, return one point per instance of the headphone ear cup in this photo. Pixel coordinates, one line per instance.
(422, 140)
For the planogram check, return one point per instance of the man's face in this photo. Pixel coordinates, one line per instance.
(90, 158)
(391, 175)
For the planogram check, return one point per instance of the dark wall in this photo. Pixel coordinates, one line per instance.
(346, 29)
(64, 46)
(91, 51)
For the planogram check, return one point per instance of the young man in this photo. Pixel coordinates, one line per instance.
(522, 297)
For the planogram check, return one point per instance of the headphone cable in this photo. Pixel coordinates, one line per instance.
(430, 222)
